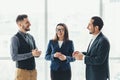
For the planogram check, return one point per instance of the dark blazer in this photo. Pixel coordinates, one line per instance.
(67, 49)
(97, 59)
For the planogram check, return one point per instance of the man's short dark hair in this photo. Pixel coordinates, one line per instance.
(98, 22)
(21, 17)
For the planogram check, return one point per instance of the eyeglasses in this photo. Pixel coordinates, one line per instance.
(59, 30)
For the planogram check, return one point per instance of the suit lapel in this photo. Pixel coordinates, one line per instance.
(94, 42)
(89, 46)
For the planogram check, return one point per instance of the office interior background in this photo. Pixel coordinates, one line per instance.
(44, 15)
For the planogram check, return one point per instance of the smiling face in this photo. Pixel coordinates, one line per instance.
(24, 25)
(90, 27)
(60, 31)
(93, 29)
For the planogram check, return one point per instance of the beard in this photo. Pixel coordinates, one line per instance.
(26, 28)
(90, 32)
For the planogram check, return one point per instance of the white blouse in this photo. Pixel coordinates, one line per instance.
(60, 43)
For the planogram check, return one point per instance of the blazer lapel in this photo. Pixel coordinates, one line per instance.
(58, 45)
(62, 44)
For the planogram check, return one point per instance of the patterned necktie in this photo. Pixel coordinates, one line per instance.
(28, 40)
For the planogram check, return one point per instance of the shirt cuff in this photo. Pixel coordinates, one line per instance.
(83, 58)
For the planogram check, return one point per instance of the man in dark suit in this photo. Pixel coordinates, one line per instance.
(97, 56)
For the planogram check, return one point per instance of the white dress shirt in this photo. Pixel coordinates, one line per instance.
(92, 40)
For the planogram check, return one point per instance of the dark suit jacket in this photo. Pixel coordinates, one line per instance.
(96, 59)
(67, 49)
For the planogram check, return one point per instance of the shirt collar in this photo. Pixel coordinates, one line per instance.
(21, 33)
(95, 36)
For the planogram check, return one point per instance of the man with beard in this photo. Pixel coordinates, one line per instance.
(24, 50)
(96, 57)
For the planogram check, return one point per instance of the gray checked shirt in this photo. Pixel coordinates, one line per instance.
(15, 44)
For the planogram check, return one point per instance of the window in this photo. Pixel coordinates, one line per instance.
(44, 18)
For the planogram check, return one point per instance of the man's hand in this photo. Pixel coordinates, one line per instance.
(36, 53)
(78, 55)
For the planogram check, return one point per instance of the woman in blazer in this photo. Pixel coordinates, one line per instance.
(59, 52)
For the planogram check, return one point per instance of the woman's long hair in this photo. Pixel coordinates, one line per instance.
(66, 35)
